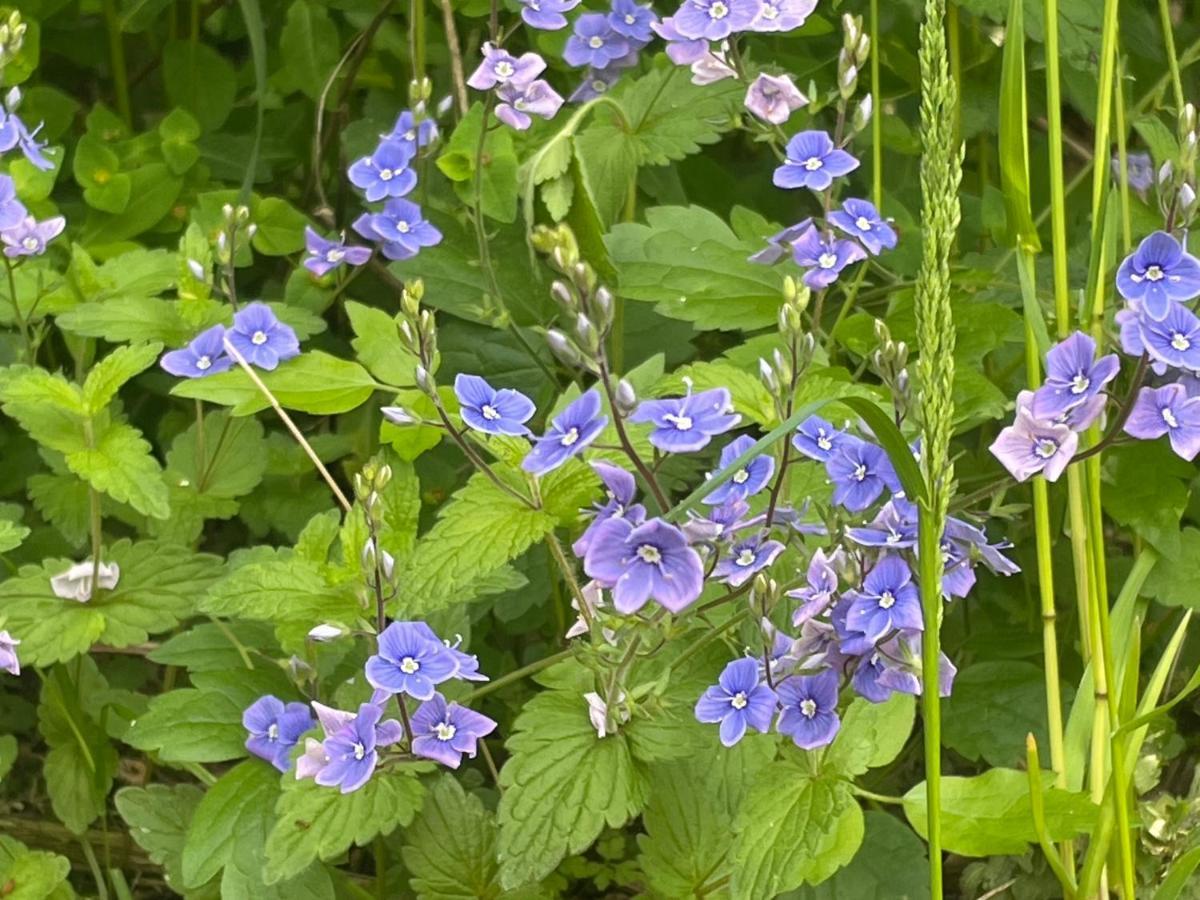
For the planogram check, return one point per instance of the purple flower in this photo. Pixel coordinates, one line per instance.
(415, 132)
(466, 664)
(782, 15)
(888, 600)
(385, 172)
(859, 472)
(681, 50)
(630, 20)
(865, 680)
(352, 752)
(817, 439)
(1030, 445)
(779, 245)
(821, 590)
(1159, 271)
(29, 237)
(275, 728)
(501, 67)
(714, 19)
(314, 758)
(492, 411)
(546, 14)
(594, 43)
(205, 355)
(569, 433)
(975, 542)
(12, 211)
(891, 528)
(8, 654)
(860, 219)
(14, 133)
(1167, 410)
(809, 714)
(812, 161)
(720, 523)
(595, 82)
(444, 733)
(517, 101)
(1129, 323)
(326, 254)
(737, 700)
(901, 658)
(620, 490)
(823, 257)
(1073, 376)
(773, 98)
(686, 424)
(410, 660)
(1139, 171)
(260, 338)
(1173, 339)
(745, 559)
(713, 66)
(401, 227)
(746, 481)
(641, 562)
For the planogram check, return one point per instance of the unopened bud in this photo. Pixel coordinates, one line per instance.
(196, 269)
(767, 375)
(562, 295)
(562, 347)
(325, 632)
(398, 415)
(387, 564)
(626, 397)
(603, 299)
(251, 231)
(862, 50)
(588, 336)
(227, 212)
(862, 114)
(423, 380)
(1187, 197)
(444, 106)
(1165, 172)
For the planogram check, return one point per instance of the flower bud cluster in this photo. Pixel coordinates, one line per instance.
(890, 362)
(587, 305)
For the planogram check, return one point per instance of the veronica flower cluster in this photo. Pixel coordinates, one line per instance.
(514, 78)
(410, 662)
(20, 233)
(257, 336)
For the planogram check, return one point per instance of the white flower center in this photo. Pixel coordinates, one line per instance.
(808, 708)
(862, 224)
(403, 227)
(31, 243)
(258, 338)
(409, 666)
(745, 558)
(1180, 341)
(1045, 448)
(520, 105)
(718, 10)
(738, 700)
(489, 412)
(630, 18)
(741, 476)
(893, 538)
(444, 731)
(503, 69)
(860, 472)
(813, 163)
(273, 732)
(1080, 383)
(204, 363)
(1169, 418)
(1154, 273)
(769, 12)
(386, 174)
(827, 260)
(359, 750)
(823, 441)
(599, 86)
(335, 255)
(648, 553)
(596, 42)
(410, 135)
(887, 600)
(570, 437)
(681, 423)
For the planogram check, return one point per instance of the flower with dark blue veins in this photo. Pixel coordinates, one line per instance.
(889, 600)
(817, 439)
(958, 570)
(714, 20)
(410, 660)
(681, 50)
(519, 101)
(466, 664)
(620, 493)
(686, 424)
(739, 700)
(1159, 271)
(205, 355)
(501, 67)
(401, 228)
(12, 211)
(1073, 376)
(891, 528)
(809, 714)
(1175, 338)
(8, 654)
(861, 220)
(594, 43)
(29, 237)
(721, 522)
(643, 562)
(746, 481)
(821, 588)
(546, 15)
(773, 98)
(782, 15)
(631, 20)
(569, 433)
(492, 411)
(415, 132)
(745, 559)
(260, 338)
(865, 680)
(274, 729)
(974, 542)
(823, 257)
(385, 173)
(1031, 445)
(901, 658)
(860, 471)
(327, 254)
(353, 751)
(812, 161)
(1167, 410)
(446, 732)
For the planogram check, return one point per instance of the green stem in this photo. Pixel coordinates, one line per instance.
(1164, 14)
(517, 675)
(17, 314)
(1123, 159)
(1058, 203)
(929, 540)
(116, 56)
(877, 113)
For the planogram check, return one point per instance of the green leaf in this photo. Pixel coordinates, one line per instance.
(33, 874)
(192, 725)
(1014, 135)
(313, 382)
(1173, 581)
(310, 46)
(120, 464)
(872, 734)
(688, 262)
(12, 535)
(891, 864)
(1179, 876)
(793, 829)
(8, 754)
(120, 319)
(158, 817)
(229, 808)
(562, 786)
(498, 181)
(1146, 490)
(314, 822)
(990, 814)
(479, 530)
(606, 167)
(154, 189)
(378, 346)
(46, 405)
(200, 80)
(210, 647)
(234, 462)
(280, 227)
(111, 373)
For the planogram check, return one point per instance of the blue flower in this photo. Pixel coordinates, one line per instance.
(594, 43)
(260, 338)
(640, 562)
(686, 424)
(821, 589)
(633, 21)
(1167, 410)
(29, 237)
(817, 439)
(410, 660)
(492, 411)
(745, 559)
(746, 481)
(416, 133)
(738, 700)
(812, 161)
(1073, 376)
(546, 15)
(205, 355)
(352, 752)
(621, 491)
(14, 133)
(274, 729)
(325, 254)
(809, 714)
(714, 20)
(860, 471)
(401, 228)
(888, 601)
(385, 173)
(12, 211)
(892, 528)
(446, 732)
(860, 219)
(823, 257)
(569, 433)
(1175, 339)
(1159, 271)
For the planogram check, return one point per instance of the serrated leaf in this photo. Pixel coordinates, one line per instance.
(314, 822)
(228, 809)
(110, 374)
(12, 535)
(34, 874)
(119, 462)
(872, 734)
(562, 785)
(378, 346)
(891, 864)
(158, 817)
(211, 647)
(313, 382)
(46, 405)
(234, 461)
(128, 319)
